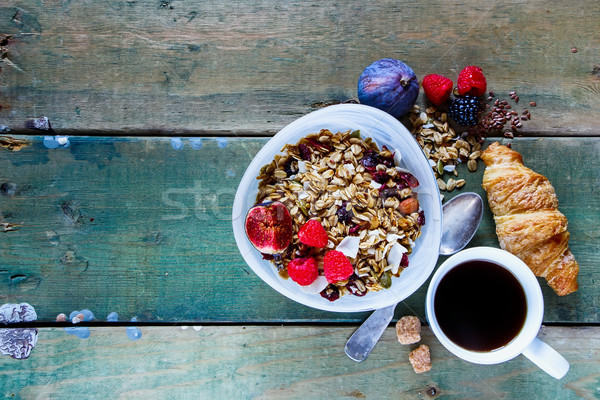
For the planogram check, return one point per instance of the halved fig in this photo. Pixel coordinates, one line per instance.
(269, 227)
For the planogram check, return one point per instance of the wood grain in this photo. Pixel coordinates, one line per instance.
(134, 226)
(281, 363)
(188, 67)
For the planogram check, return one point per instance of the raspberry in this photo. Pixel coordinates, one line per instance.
(437, 88)
(336, 266)
(471, 82)
(313, 234)
(465, 110)
(303, 271)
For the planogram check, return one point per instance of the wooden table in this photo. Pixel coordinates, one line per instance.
(165, 103)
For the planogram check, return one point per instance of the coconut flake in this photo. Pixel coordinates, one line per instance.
(349, 246)
(449, 168)
(316, 287)
(397, 156)
(393, 237)
(349, 167)
(432, 163)
(301, 167)
(375, 185)
(394, 257)
(303, 195)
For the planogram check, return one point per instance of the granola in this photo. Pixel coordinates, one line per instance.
(355, 190)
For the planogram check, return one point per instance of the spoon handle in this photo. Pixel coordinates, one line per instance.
(363, 340)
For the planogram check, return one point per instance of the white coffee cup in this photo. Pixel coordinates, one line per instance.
(526, 341)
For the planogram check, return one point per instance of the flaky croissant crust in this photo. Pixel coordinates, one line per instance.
(528, 223)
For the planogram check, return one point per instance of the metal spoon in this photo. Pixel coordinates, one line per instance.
(460, 219)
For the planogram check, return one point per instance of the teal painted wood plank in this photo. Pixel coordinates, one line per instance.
(245, 65)
(134, 226)
(281, 363)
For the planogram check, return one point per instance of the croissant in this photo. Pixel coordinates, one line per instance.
(528, 223)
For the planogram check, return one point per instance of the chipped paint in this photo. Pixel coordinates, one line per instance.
(13, 144)
(222, 142)
(17, 342)
(176, 143)
(82, 332)
(133, 332)
(8, 227)
(112, 317)
(41, 124)
(56, 142)
(196, 143)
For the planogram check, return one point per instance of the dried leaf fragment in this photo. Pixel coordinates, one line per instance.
(13, 144)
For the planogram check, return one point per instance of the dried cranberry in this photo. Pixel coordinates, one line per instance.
(305, 151)
(370, 160)
(410, 179)
(387, 161)
(354, 229)
(331, 293)
(421, 218)
(344, 215)
(353, 287)
(401, 184)
(319, 145)
(404, 261)
(380, 177)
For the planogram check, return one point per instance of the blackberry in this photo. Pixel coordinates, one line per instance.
(465, 110)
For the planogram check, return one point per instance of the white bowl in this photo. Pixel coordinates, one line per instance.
(384, 130)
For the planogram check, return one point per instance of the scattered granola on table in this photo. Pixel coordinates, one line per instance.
(443, 146)
(408, 329)
(366, 203)
(420, 359)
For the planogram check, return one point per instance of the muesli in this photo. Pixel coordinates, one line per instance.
(365, 202)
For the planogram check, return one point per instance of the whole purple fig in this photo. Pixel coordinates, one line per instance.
(389, 85)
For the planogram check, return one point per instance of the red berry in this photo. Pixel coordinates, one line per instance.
(336, 266)
(437, 88)
(313, 234)
(303, 271)
(471, 82)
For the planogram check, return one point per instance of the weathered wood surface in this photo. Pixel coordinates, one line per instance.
(189, 67)
(134, 226)
(281, 363)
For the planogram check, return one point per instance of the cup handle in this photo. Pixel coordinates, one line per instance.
(548, 359)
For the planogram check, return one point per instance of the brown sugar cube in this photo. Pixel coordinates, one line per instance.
(408, 330)
(420, 359)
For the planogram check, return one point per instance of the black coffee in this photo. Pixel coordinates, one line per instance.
(480, 306)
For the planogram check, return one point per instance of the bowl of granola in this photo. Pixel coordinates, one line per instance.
(364, 205)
